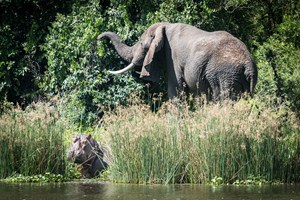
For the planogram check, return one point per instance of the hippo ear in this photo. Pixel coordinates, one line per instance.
(74, 138)
(91, 140)
(89, 137)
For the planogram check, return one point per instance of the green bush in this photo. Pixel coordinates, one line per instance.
(23, 28)
(278, 61)
(78, 65)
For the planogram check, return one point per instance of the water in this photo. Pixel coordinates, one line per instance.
(105, 191)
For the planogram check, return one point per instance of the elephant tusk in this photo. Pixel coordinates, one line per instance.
(131, 65)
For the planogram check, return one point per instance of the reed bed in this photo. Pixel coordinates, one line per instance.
(178, 145)
(31, 142)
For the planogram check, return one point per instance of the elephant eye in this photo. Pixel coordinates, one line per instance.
(144, 45)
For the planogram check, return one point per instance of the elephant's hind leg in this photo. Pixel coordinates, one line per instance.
(216, 91)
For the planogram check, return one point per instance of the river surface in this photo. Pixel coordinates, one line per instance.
(105, 191)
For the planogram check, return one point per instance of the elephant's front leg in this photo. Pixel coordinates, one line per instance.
(175, 87)
(175, 82)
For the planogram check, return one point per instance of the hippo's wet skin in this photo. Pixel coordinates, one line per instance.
(86, 153)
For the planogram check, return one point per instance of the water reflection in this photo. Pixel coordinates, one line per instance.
(105, 191)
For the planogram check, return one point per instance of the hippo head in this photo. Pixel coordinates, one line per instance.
(83, 149)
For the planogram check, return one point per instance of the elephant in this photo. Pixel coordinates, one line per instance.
(195, 61)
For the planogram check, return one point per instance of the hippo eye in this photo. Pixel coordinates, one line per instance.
(75, 140)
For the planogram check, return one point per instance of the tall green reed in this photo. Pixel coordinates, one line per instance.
(177, 145)
(31, 143)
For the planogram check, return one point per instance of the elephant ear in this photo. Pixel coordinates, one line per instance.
(156, 44)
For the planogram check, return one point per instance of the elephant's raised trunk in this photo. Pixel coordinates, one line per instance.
(123, 50)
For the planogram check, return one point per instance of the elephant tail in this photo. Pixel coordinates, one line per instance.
(251, 74)
(252, 85)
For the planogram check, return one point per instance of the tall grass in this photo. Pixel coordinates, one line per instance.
(177, 145)
(31, 142)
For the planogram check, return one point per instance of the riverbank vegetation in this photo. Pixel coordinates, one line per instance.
(54, 82)
(31, 142)
(33, 145)
(180, 143)
(231, 141)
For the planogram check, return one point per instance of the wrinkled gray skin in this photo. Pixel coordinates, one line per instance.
(214, 63)
(86, 153)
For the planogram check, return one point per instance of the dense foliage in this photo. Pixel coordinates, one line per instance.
(48, 48)
(23, 28)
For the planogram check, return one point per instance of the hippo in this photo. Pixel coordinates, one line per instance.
(86, 153)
